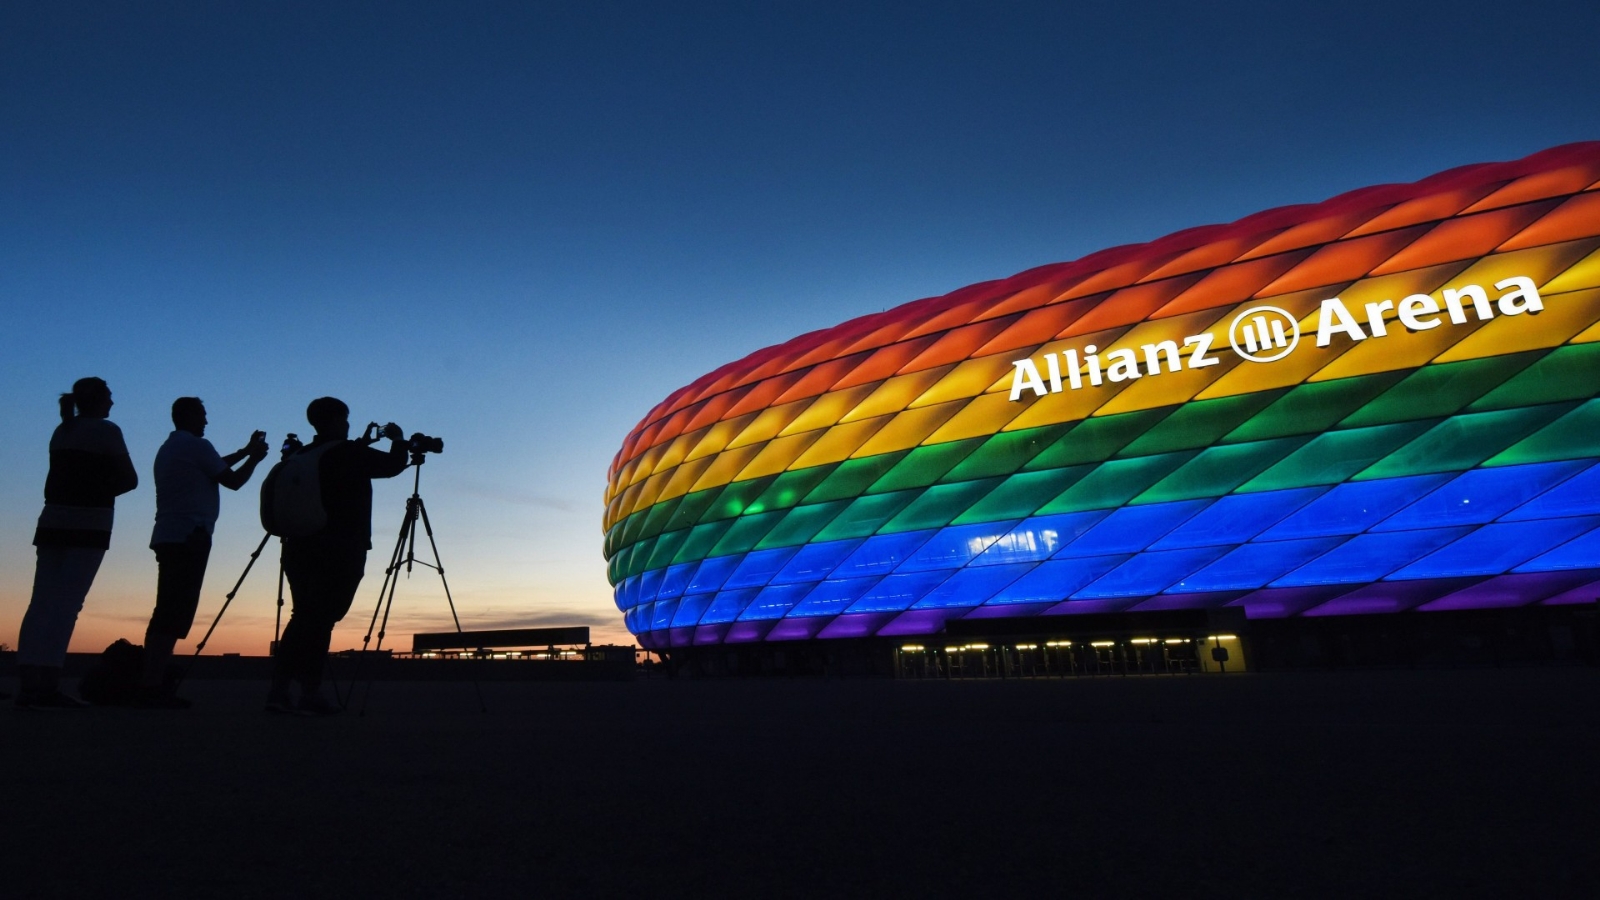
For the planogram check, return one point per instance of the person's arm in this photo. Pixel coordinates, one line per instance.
(123, 476)
(387, 465)
(252, 453)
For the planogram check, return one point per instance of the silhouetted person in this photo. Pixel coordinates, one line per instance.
(325, 569)
(89, 468)
(187, 471)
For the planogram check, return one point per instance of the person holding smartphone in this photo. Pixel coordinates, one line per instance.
(187, 471)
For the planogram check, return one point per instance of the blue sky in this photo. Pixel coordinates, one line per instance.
(518, 226)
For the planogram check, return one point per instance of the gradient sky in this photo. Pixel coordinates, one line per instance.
(519, 226)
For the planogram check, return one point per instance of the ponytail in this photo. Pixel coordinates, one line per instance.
(67, 408)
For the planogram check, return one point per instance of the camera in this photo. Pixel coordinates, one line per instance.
(291, 445)
(422, 443)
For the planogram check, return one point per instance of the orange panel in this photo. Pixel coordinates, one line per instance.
(891, 331)
(884, 362)
(1310, 234)
(1115, 277)
(712, 409)
(956, 345)
(1542, 264)
(1130, 305)
(765, 394)
(1344, 261)
(1576, 218)
(1209, 256)
(1030, 298)
(1467, 237)
(960, 314)
(822, 377)
(1231, 284)
(1540, 185)
(672, 427)
(1035, 327)
(1429, 208)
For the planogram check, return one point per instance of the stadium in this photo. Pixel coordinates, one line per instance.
(1362, 429)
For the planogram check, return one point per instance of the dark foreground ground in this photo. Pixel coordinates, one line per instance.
(1478, 783)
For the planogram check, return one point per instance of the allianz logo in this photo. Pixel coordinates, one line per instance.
(1264, 334)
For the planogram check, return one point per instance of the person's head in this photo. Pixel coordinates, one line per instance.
(189, 414)
(90, 397)
(330, 417)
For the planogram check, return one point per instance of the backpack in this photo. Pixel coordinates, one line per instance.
(113, 679)
(291, 495)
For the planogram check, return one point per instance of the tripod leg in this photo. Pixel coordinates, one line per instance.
(391, 580)
(427, 527)
(277, 623)
(231, 594)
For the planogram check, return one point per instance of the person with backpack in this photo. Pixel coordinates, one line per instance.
(320, 500)
(89, 469)
(188, 471)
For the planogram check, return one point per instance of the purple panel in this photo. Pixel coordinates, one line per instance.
(919, 621)
(856, 625)
(1587, 593)
(1510, 590)
(681, 637)
(747, 632)
(1390, 597)
(803, 628)
(1207, 600)
(1280, 603)
(652, 640)
(710, 634)
(1008, 611)
(1080, 607)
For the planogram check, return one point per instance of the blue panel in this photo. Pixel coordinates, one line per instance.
(1481, 495)
(952, 548)
(833, 595)
(649, 585)
(727, 606)
(713, 572)
(661, 616)
(898, 592)
(972, 586)
(1583, 553)
(1132, 528)
(690, 609)
(815, 561)
(759, 567)
(881, 553)
(1149, 573)
(1037, 539)
(1369, 557)
(1255, 565)
(625, 594)
(1056, 580)
(1355, 507)
(1578, 497)
(774, 600)
(1237, 518)
(1495, 549)
(676, 581)
(638, 618)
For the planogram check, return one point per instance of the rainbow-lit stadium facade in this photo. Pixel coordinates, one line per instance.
(1141, 430)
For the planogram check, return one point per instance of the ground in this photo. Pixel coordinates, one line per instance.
(1459, 783)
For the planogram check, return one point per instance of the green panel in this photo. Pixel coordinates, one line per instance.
(747, 531)
(923, 466)
(1098, 438)
(866, 515)
(657, 518)
(613, 542)
(692, 507)
(1313, 408)
(1199, 423)
(630, 561)
(1218, 470)
(801, 524)
(1006, 452)
(614, 569)
(1440, 390)
(1573, 436)
(939, 504)
(701, 539)
(1461, 442)
(853, 476)
(735, 498)
(1021, 494)
(666, 547)
(1567, 373)
(789, 489)
(1333, 457)
(1115, 483)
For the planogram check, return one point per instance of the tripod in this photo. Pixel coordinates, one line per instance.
(277, 625)
(404, 554)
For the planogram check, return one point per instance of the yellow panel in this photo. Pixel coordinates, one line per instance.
(1388, 287)
(1587, 336)
(838, 442)
(684, 477)
(907, 429)
(973, 377)
(1564, 316)
(895, 394)
(1542, 264)
(1401, 349)
(718, 436)
(1585, 274)
(645, 464)
(777, 455)
(827, 409)
(1067, 406)
(1292, 369)
(723, 466)
(984, 415)
(626, 504)
(652, 490)
(676, 449)
(1169, 387)
(769, 423)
